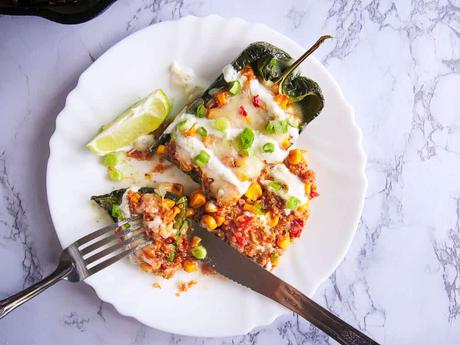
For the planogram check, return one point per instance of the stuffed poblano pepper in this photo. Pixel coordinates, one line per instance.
(246, 119)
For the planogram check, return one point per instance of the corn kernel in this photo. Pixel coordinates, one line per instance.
(249, 207)
(243, 177)
(210, 207)
(241, 161)
(190, 212)
(272, 219)
(145, 267)
(134, 197)
(176, 211)
(168, 203)
(219, 220)
(221, 98)
(275, 261)
(295, 156)
(190, 266)
(149, 251)
(286, 144)
(283, 242)
(304, 207)
(195, 241)
(197, 199)
(307, 188)
(162, 150)
(212, 113)
(209, 221)
(248, 72)
(254, 191)
(282, 101)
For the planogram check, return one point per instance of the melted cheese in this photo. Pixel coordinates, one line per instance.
(188, 147)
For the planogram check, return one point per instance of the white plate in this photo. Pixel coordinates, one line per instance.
(131, 69)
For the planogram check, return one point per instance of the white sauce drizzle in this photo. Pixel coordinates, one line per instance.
(214, 168)
(124, 206)
(296, 187)
(267, 97)
(277, 155)
(230, 74)
(184, 77)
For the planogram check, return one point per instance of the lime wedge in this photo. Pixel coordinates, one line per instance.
(143, 117)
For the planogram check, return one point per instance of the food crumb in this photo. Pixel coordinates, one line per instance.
(207, 270)
(156, 285)
(160, 168)
(185, 286)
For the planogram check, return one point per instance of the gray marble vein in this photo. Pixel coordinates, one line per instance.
(15, 226)
(398, 63)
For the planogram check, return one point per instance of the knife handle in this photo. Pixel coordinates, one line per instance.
(336, 328)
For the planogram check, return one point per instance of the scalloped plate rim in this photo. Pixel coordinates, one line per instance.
(350, 112)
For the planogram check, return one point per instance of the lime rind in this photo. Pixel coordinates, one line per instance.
(143, 117)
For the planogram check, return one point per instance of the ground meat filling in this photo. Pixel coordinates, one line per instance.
(164, 225)
(261, 226)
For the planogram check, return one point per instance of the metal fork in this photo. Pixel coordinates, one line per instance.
(86, 256)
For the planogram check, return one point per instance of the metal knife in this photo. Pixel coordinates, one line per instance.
(227, 261)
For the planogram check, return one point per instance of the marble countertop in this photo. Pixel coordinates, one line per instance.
(398, 63)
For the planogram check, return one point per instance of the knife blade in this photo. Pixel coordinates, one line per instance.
(227, 261)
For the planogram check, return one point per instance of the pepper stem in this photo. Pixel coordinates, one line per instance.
(301, 59)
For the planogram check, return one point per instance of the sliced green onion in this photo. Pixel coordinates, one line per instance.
(259, 210)
(110, 160)
(115, 175)
(293, 122)
(201, 110)
(235, 88)
(268, 148)
(201, 159)
(202, 131)
(199, 252)
(246, 153)
(275, 185)
(172, 254)
(245, 139)
(292, 203)
(221, 124)
(117, 213)
(277, 127)
(182, 126)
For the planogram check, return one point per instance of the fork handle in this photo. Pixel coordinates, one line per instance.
(14, 301)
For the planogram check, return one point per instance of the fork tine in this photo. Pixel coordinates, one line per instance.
(115, 258)
(114, 248)
(108, 239)
(106, 229)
